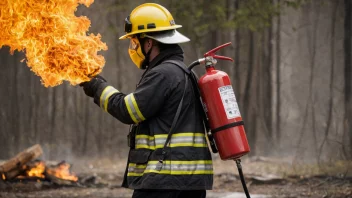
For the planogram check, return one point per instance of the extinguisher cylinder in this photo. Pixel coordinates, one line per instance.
(224, 116)
(232, 143)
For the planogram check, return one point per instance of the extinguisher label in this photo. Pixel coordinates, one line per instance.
(229, 101)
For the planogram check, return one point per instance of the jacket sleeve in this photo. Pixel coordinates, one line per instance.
(138, 106)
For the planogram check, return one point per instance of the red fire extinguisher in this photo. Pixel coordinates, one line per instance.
(223, 118)
(221, 107)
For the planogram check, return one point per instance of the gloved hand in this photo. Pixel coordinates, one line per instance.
(91, 87)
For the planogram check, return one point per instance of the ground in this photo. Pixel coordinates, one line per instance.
(265, 178)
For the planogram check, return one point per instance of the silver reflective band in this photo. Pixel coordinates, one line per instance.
(133, 108)
(177, 140)
(172, 167)
(104, 97)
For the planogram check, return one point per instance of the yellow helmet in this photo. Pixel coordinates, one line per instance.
(152, 17)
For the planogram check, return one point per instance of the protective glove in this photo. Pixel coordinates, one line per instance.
(91, 87)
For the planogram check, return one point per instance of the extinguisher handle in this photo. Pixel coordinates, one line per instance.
(213, 51)
(223, 58)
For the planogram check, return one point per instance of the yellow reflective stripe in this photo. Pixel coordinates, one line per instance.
(188, 134)
(183, 162)
(187, 144)
(104, 97)
(133, 108)
(160, 136)
(149, 142)
(152, 147)
(144, 136)
(139, 146)
(107, 99)
(137, 108)
(177, 140)
(171, 172)
(173, 168)
(103, 94)
(180, 134)
(129, 110)
(200, 172)
(137, 165)
(140, 169)
(135, 174)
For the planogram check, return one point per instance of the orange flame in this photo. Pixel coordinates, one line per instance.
(54, 39)
(37, 171)
(3, 176)
(62, 172)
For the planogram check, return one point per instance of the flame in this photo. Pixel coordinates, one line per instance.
(37, 170)
(55, 40)
(3, 177)
(63, 172)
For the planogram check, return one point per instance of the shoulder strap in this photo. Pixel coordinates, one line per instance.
(194, 81)
(177, 115)
(180, 64)
(174, 122)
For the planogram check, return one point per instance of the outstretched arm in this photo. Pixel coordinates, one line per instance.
(135, 107)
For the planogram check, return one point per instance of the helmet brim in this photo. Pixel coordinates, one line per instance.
(169, 37)
(128, 35)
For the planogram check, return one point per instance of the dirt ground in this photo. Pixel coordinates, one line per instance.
(263, 176)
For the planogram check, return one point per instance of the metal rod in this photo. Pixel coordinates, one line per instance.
(239, 167)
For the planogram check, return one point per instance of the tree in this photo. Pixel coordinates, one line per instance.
(348, 71)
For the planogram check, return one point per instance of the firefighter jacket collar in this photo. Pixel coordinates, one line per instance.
(172, 52)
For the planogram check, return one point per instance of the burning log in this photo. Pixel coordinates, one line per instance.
(12, 174)
(59, 181)
(35, 169)
(26, 167)
(60, 174)
(15, 166)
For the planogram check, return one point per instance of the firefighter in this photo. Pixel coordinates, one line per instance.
(169, 155)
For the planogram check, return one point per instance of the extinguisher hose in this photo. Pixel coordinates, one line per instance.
(195, 63)
(239, 167)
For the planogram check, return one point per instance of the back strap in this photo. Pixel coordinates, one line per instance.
(180, 64)
(194, 82)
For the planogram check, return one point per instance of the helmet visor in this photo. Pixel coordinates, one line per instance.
(168, 37)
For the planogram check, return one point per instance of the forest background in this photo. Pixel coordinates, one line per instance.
(292, 76)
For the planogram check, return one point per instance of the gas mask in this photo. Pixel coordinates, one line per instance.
(135, 52)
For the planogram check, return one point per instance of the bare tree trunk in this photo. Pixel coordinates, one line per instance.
(237, 55)
(312, 47)
(278, 81)
(268, 112)
(53, 117)
(270, 77)
(247, 92)
(14, 105)
(264, 96)
(348, 72)
(4, 122)
(230, 11)
(332, 73)
(84, 139)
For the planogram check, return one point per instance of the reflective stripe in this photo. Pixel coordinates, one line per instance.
(173, 168)
(136, 170)
(104, 97)
(177, 140)
(133, 109)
